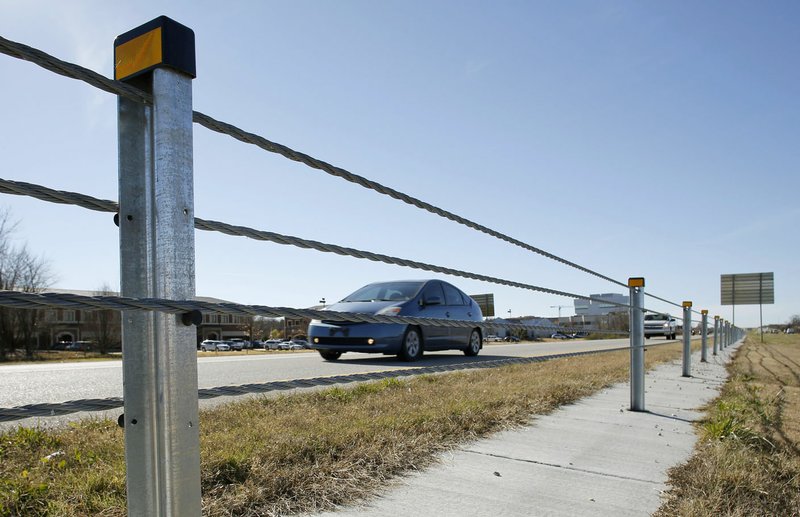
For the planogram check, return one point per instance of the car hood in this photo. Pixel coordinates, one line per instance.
(360, 307)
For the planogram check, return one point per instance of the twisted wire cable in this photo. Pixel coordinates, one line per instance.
(73, 71)
(259, 141)
(76, 406)
(64, 197)
(40, 58)
(24, 300)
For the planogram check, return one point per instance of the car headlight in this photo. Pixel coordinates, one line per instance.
(666, 325)
(389, 311)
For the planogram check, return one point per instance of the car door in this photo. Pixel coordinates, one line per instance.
(432, 305)
(456, 310)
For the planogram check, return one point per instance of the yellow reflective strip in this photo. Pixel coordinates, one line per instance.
(138, 54)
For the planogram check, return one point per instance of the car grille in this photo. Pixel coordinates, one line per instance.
(340, 341)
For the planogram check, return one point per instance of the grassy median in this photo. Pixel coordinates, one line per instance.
(306, 452)
(748, 460)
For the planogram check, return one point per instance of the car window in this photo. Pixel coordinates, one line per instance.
(452, 295)
(386, 291)
(433, 289)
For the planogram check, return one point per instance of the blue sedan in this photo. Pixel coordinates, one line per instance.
(412, 298)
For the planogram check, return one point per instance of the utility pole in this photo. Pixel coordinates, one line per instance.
(559, 307)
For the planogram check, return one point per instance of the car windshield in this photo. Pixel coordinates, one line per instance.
(656, 317)
(385, 292)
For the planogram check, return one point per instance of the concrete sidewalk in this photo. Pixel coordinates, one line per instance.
(590, 458)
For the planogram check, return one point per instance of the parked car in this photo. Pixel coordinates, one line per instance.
(212, 345)
(512, 339)
(79, 346)
(285, 345)
(271, 344)
(559, 335)
(238, 344)
(413, 298)
(299, 344)
(492, 338)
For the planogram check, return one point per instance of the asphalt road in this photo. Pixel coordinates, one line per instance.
(59, 382)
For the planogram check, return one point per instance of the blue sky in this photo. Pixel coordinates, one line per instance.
(654, 139)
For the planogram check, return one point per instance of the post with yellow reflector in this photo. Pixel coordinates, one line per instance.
(687, 339)
(636, 286)
(156, 226)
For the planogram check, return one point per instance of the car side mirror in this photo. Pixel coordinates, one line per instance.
(432, 300)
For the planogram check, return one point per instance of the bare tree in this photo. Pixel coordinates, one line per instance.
(19, 271)
(617, 320)
(259, 327)
(105, 324)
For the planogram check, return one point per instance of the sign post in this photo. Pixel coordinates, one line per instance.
(748, 289)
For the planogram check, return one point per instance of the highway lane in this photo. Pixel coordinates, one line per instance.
(59, 382)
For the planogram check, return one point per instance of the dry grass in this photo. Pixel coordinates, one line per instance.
(307, 452)
(748, 460)
(60, 356)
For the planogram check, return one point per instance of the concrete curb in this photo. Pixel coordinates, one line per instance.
(593, 457)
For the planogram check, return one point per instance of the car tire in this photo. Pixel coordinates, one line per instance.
(474, 345)
(411, 347)
(330, 355)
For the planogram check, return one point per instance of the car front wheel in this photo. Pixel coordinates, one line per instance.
(474, 345)
(411, 349)
(330, 355)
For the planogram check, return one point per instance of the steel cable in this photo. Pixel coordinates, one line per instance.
(23, 300)
(21, 51)
(60, 196)
(38, 57)
(76, 406)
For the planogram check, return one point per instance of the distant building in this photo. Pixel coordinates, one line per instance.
(65, 325)
(599, 308)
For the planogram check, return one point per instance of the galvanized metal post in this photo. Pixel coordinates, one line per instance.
(636, 286)
(156, 220)
(724, 335)
(728, 334)
(687, 339)
(704, 337)
(716, 334)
